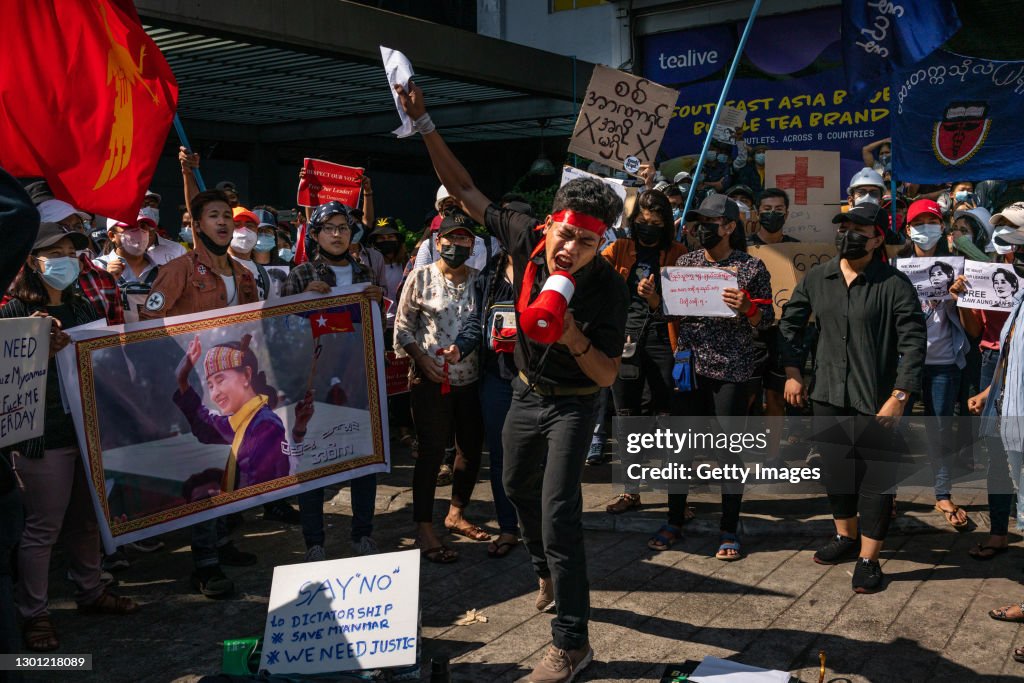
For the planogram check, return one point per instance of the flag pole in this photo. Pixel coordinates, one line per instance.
(892, 200)
(184, 143)
(721, 103)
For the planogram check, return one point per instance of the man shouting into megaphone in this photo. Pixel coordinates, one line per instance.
(571, 313)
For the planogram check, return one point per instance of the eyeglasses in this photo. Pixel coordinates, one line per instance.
(335, 229)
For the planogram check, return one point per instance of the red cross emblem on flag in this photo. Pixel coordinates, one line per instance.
(799, 181)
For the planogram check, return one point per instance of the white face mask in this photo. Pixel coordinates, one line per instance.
(926, 236)
(135, 242)
(244, 240)
(1001, 231)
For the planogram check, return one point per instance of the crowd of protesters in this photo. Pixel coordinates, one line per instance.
(479, 385)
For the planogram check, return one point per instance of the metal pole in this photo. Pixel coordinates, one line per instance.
(184, 143)
(721, 103)
(892, 202)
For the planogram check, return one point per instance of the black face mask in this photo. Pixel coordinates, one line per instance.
(772, 222)
(851, 245)
(212, 246)
(455, 255)
(707, 235)
(647, 233)
(387, 248)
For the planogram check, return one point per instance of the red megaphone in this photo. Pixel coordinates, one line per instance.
(542, 320)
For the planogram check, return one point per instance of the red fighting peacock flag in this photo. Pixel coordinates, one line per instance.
(87, 100)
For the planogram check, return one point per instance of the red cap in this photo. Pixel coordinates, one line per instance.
(924, 207)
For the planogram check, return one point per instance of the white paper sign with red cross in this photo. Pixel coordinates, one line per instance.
(811, 179)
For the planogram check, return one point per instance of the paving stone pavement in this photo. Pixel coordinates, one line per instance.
(774, 608)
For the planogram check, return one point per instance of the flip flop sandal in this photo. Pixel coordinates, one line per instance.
(1018, 655)
(108, 603)
(622, 503)
(502, 549)
(440, 555)
(666, 537)
(37, 631)
(976, 552)
(729, 542)
(951, 517)
(1000, 614)
(470, 531)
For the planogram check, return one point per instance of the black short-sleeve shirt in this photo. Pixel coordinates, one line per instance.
(599, 303)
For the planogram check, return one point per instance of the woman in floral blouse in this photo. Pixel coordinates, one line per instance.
(435, 299)
(725, 356)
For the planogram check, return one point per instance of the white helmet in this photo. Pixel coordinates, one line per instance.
(682, 177)
(866, 177)
(442, 194)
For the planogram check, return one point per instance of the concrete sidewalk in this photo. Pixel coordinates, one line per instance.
(774, 608)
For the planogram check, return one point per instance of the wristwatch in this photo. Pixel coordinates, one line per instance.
(900, 395)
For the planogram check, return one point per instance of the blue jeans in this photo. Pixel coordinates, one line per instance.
(364, 501)
(495, 400)
(206, 538)
(939, 390)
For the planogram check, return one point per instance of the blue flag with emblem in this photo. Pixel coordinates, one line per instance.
(956, 117)
(880, 36)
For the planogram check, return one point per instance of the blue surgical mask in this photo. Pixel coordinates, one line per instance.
(286, 254)
(186, 235)
(265, 243)
(962, 195)
(722, 158)
(759, 158)
(677, 213)
(60, 273)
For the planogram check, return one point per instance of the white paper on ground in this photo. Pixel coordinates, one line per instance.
(715, 670)
(399, 71)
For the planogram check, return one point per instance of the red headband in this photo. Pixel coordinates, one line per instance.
(580, 220)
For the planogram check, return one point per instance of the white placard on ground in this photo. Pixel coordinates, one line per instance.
(697, 292)
(343, 615)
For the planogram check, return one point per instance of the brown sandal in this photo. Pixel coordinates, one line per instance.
(470, 531)
(110, 603)
(622, 503)
(951, 517)
(441, 555)
(39, 634)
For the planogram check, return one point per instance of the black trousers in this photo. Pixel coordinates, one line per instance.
(858, 480)
(546, 441)
(653, 362)
(715, 397)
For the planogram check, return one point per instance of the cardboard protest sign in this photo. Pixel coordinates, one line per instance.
(990, 286)
(326, 182)
(343, 615)
(788, 263)
(811, 179)
(932, 276)
(189, 418)
(572, 173)
(696, 292)
(24, 363)
(622, 116)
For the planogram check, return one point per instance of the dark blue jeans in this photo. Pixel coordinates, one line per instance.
(939, 390)
(495, 400)
(364, 500)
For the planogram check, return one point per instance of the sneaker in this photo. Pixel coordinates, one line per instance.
(146, 545)
(316, 553)
(280, 511)
(839, 549)
(867, 576)
(365, 546)
(211, 582)
(562, 666)
(545, 595)
(595, 456)
(444, 476)
(230, 556)
(115, 562)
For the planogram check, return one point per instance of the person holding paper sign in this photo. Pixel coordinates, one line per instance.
(55, 489)
(727, 365)
(870, 357)
(549, 426)
(950, 330)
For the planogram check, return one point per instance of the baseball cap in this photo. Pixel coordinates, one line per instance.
(924, 207)
(50, 233)
(150, 193)
(242, 214)
(743, 190)
(266, 219)
(865, 214)
(53, 210)
(384, 226)
(150, 214)
(1013, 214)
(145, 220)
(227, 186)
(715, 206)
(455, 221)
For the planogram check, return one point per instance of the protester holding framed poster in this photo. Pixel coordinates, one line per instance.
(725, 357)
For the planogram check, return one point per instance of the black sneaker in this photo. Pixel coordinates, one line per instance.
(839, 549)
(211, 582)
(231, 556)
(280, 511)
(867, 576)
